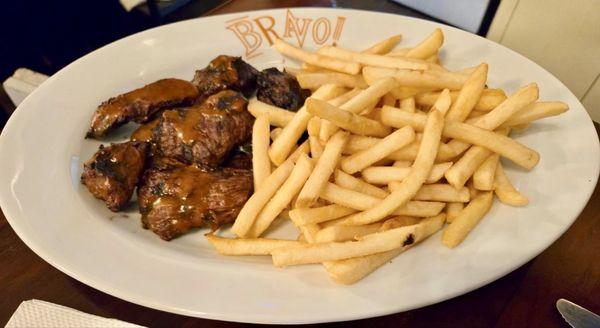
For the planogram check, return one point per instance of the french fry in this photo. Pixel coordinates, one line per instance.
(505, 146)
(490, 99)
(430, 79)
(505, 191)
(315, 80)
(508, 108)
(452, 210)
(261, 164)
(362, 159)
(382, 175)
(277, 116)
(257, 201)
(463, 169)
(441, 192)
(303, 216)
(483, 178)
(283, 197)
(292, 70)
(316, 59)
(323, 170)
(274, 134)
(281, 147)
(442, 104)
(304, 148)
(467, 219)
(408, 105)
(398, 221)
(427, 47)
(347, 181)
(349, 121)
(419, 172)
(359, 201)
(360, 102)
(313, 128)
(247, 246)
(469, 95)
(343, 233)
(402, 164)
(384, 46)
(536, 111)
(367, 245)
(352, 270)
(371, 59)
(387, 100)
(310, 232)
(399, 118)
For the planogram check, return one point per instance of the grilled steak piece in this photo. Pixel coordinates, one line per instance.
(113, 172)
(280, 89)
(174, 198)
(240, 157)
(226, 72)
(141, 104)
(204, 134)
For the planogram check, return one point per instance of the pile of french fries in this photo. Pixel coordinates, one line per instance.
(398, 148)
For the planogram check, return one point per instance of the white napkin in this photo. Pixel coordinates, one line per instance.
(36, 313)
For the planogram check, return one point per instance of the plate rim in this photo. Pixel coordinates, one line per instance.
(11, 215)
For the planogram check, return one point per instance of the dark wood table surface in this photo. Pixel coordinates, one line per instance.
(570, 268)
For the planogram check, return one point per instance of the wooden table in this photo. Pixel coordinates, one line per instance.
(570, 268)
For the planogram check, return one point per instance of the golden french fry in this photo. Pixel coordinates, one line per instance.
(371, 59)
(305, 215)
(347, 181)
(399, 118)
(256, 246)
(288, 190)
(490, 99)
(463, 169)
(441, 192)
(331, 251)
(310, 232)
(261, 164)
(382, 175)
(452, 210)
(467, 219)
(316, 59)
(359, 201)
(281, 148)
(257, 201)
(292, 70)
(508, 108)
(346, 120)
(419, 172)
(315, 80)
(343, 233)
(387, 100)
(274, 134)
(469, 95)
(398, 221)
(323, 170)
(362, 159)
(384, 46)
(505, 146)
(313, 128)
(352, 270)
(483, 178)
(442, 104)
(536, 111)
(402, 164)
(408, 105)
(505, 191)
(277, 116)
(304, 148)
(427, 47)
(430, 79)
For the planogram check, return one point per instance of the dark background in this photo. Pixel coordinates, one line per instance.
(45, 36)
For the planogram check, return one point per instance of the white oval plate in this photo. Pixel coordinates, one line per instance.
(42, 150)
